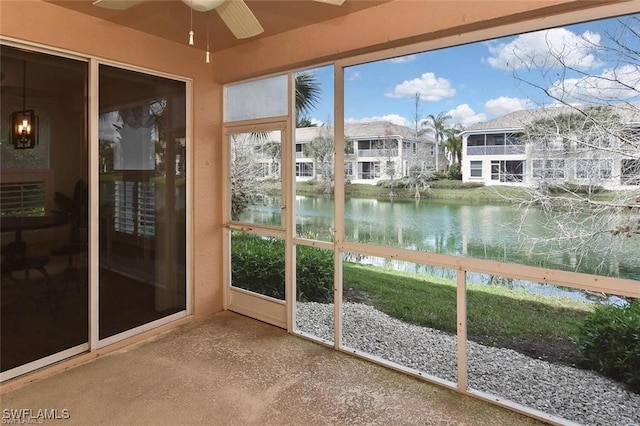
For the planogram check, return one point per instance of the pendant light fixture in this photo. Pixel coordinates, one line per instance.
(191, 26)
(207, 55)
(25, 123)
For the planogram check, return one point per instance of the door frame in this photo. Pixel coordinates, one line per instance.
(248, 303)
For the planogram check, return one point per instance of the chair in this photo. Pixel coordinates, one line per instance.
(15, 260)
(76, 245)
(70, 250)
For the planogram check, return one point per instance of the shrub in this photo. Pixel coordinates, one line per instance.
(404, 182)
(314, 275)
(575, 189)
(455, 172)
(454, 184)
(257, 264)
(439, 176)
(609, 342)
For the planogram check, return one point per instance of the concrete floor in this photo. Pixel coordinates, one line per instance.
(232, 370)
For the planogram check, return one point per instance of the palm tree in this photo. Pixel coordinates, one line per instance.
(307, 97)
(453, 143)
(436, 124)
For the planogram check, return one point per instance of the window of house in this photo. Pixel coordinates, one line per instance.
(304, 169)
(630, 172)
(475, 140)
(368, 169)
(507, 171)
(590, 168)
(548, 168)
(475, 169)
(349, 147)
(515, 139)
(495, 139)
(348, 168)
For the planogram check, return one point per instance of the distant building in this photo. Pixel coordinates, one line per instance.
(556, 145)
(373, 151)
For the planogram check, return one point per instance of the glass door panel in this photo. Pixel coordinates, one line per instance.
(43, 209)
(142, 199)
(257, 286)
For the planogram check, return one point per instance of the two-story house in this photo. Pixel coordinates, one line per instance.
(374, 151)
(592, 146)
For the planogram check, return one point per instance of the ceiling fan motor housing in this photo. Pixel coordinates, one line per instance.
(203, 5)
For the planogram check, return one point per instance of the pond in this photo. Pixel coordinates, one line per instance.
(485, 231)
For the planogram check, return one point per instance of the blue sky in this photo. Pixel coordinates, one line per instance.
(475, 82)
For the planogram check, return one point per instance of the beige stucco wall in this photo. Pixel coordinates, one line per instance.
(54, 26)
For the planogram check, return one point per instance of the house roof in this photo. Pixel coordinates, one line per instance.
(517, 120)
(368, 130)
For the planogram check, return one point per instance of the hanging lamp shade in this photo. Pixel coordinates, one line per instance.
(24, 134)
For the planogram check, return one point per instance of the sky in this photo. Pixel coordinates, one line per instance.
(478, 82)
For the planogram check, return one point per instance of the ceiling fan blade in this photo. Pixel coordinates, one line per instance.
(116, 4)
(239, 18)
(334, 2)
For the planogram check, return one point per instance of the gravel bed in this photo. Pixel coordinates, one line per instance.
(577, 395)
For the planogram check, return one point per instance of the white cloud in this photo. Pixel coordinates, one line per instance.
(393, 118)
(352, 75)
(403, 59)
(465, 115)
(548, 48)
(430, 88)
(504, 105)
(615, 84)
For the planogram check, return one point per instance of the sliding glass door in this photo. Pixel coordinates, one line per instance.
(142, 213)
(49, 306)
(43, 208)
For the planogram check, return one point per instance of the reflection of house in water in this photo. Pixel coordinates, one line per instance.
(556, 145)
(374, 151)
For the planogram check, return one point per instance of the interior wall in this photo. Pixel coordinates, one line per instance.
(386, 26)
(45, 24)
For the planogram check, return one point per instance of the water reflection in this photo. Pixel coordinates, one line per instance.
(461, 229)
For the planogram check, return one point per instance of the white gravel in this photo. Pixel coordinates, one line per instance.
(577, 395)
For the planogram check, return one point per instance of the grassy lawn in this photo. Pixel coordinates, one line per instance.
(442, 190)
(495, 314)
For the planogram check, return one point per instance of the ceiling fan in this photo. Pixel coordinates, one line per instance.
(235, 13)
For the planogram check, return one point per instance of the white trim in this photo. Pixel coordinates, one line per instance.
(190, 213)
(258, 306)
(288, 152)
(43, 48)
(461, 329)
(140, 329)
(43, 362)
(255, 305)
(94, 204)
(94, 132)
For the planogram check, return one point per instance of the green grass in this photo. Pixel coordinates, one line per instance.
(493, 312)
(494, 194)
(441, 190)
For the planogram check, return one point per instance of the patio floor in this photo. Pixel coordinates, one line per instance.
(232, 370)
